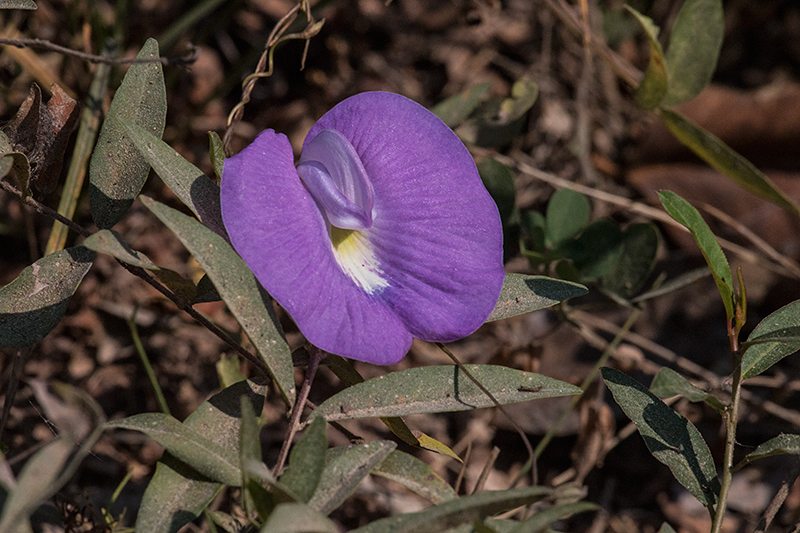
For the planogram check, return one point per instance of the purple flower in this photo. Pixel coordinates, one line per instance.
(383, 231)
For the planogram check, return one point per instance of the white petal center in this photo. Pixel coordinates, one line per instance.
(355, 256)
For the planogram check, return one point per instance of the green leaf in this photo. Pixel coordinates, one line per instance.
(216, 152)
(499, 181)
(210, 459)
(35, 484)
(19, 164)
(500, 121)
(655, 82)
(177, 493)
(110, 242)
(522, 293)
(195, 189)
(237, 285)
(688, 216)
(33, 304)
(17, 4)
(436, 389)
(544, 519)
(597, 251)
(307, 461)
(456, 109)
(666, 528)
(345, 371)
(464, 510)
(723, 158)
(694, 47)
(639, 249)
(254, 496)
(298, 518)
(669, 383)
(567, 213)
(759, 357)
(783, 444)
(345, 468)
(416, 476)
(670, 437)
(117, 171)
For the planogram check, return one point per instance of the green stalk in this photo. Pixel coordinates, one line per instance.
(87, 133)
(148, 368)
(731, 419)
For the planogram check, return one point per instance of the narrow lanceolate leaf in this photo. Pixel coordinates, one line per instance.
(297, 518)
(110, 242)
(670, 437)
(542, 519)
(210, 459)
(117, 171)
(307, 461)
(783, 444)
(456, 109)
(177, 493)
(688, 216)
(655, 82)
(669, 383)
(436, 389)
(217, 153)
(34, 485)
(723, 158)
(782, 323)
(195, 189)
(694, 47)
(416, 476)
(253, 496)
(464, 510)
(18, 4)
(239, 289)
(345, 468)
(32, 305)
(522, 293)
(345, 371)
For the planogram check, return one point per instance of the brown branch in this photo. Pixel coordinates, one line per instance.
(143, 274)
(41, 44)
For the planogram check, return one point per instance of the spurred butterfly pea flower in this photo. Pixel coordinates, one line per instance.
(381, 233)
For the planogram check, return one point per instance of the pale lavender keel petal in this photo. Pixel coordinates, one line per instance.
(277, 228)
(333, 173)
(436, 232)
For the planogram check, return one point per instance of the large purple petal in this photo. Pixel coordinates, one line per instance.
(279, 231)
(436, 231)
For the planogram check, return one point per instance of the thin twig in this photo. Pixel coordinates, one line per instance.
(487, 468)
(627, 72)
(13, 381)
(315, 356)
(43, 209)
(523, 436)
(265, 63)
(188, 59)
(779, 498)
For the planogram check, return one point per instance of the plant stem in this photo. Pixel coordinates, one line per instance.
(731, 418)
(315, 356)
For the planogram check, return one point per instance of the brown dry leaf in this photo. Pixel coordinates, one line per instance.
(41, 133)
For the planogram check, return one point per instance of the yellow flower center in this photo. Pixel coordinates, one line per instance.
(355, 256)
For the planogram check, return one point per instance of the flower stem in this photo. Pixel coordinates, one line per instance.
(315, 356)
(731, 418)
